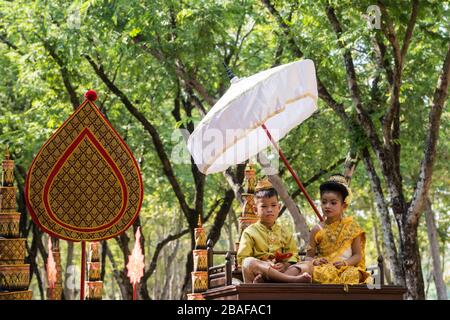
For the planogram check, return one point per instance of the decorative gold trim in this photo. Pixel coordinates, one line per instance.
(12, 251)
(9, 224)
(199, 281)
(14, 277)
(17, 295)
(94, 290)
(200, 260)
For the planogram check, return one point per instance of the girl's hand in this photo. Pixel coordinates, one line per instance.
(339, 264)
(320, 261)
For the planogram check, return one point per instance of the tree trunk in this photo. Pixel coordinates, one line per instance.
(441, 288)
(381, 248)
(386, 228)
(189, 267)
(70, 291)
(412, 263)
(375, 235)
(169, 272)
(32, 260)
(219, 219)
(229, 228)
(125, 287)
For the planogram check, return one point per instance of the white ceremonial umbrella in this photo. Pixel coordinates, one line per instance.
(255, 112)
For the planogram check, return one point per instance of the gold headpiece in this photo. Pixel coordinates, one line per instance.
(343, 181)
(263, 184)
(339, 179)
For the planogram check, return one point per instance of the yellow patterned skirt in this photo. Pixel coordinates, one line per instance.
(329, 274)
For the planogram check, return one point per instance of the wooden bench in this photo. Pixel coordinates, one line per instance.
(303, 291)
(225, 283)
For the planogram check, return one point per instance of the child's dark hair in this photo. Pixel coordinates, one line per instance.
(266, 193)
(334, 186)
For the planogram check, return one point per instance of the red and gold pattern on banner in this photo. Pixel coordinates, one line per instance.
(84, 184)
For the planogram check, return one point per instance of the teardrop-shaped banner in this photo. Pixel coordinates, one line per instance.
(84, 183)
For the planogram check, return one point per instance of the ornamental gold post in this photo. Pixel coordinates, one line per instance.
(7, 170)
(94, 285)
(200, 257)
(248, 215)
(14, 273)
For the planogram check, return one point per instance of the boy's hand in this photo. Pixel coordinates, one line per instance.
(320, 261)
(280, 266)
(339, 264)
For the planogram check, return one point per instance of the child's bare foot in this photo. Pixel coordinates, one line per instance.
(304, 277)
(258, 278)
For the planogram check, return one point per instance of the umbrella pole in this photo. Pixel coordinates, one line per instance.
(288, 166)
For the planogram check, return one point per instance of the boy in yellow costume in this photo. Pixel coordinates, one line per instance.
(266, 251)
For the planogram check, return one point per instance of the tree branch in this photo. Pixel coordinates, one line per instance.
(391, 120)
(314, 178)
(167, 167)
(219, 220)
(158, 249)
(124, 285)
(409, 29)
(11, 45)
(284, 26)
(235, 182)
(426, 166)
(64, 74)
(199, 178)
(363, 117)
(180, 71)
(383, 61)
(323, 92)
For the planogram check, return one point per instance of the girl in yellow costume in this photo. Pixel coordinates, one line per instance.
(336, 246)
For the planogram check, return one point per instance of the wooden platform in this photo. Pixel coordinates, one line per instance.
(303, 291)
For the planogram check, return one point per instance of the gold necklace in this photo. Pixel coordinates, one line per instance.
(333, 236)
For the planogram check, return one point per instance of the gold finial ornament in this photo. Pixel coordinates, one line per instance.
(7, 189)
(200, 235)
(7, 170)
(199, 223)
(250, 179)
(263, 184)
